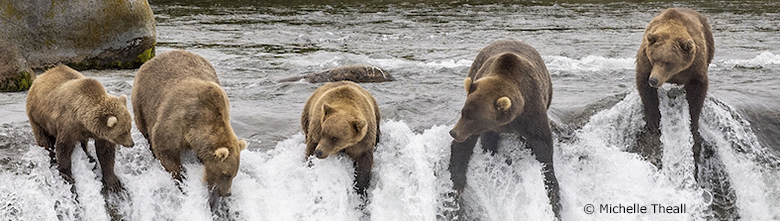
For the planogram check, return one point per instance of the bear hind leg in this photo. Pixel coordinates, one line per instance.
(106, 155)
(44, 140)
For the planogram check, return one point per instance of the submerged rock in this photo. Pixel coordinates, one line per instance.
(355, 73)
(83, 34)
(15, 75)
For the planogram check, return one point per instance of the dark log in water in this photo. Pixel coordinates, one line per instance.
(355, 73)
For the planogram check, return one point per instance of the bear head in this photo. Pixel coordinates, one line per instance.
(491, 102)
(670, 50)
(111, 121)
(342, 126)
(222, 165)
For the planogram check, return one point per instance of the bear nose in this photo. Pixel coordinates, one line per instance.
(653, 82)
(318, 153)
(452, 133)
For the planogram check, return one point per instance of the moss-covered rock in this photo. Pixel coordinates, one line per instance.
(84, 34)
(15, 75)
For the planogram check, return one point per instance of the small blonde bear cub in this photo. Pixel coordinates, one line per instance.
(65, 108)
(343, 117)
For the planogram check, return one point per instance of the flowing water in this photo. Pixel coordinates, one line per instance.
(589, 49)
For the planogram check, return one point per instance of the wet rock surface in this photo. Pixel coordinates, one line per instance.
(80, 33)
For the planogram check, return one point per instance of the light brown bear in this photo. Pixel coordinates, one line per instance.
(65, 108)
(677, 47)
(343, 117)
(179, 105)
(508, 91)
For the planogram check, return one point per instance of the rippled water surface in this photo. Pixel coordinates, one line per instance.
(589, 49)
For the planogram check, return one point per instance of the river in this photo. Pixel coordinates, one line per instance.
(589, 48)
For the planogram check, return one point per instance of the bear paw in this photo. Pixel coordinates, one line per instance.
(112, 184)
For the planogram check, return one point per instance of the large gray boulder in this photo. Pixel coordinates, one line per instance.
(15, 74)
(84, 34)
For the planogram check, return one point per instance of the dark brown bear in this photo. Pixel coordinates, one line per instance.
(343, 117)
(179, 106)
(65, 108)
(509, 91)
(677, 47)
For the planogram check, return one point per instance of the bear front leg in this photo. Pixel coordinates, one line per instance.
(649, 97)
(648, 144)
(489, 141)
(310, 147)
(539, 139)
(695, 93)
(106, 154)
(64, 150)
(171, 161)
(460, 155)
(363, 165)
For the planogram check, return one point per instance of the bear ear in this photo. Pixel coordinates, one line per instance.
(221, 153)
(327, 109)
(686, 45)
(503, 104)
(111, 121)
(123, 99)
(467, 85)
(359, 125)
(241, 145)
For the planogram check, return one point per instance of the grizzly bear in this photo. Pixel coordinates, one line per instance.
(179, 105)
(65, 108)
(508, 91)
(343, 117)
(677, 47)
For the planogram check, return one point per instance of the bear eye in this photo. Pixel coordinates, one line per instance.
(334, 139)
(686, 46)
(651, 40)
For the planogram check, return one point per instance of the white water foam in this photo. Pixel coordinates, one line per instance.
(325, 60)
(761, 60)
(411, 182)
(590, 63)
(756, 183)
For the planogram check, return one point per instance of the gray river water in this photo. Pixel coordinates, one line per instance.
(589, 49)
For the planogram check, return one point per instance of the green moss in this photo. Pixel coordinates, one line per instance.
(10, 11)
(118, 64)
(148, 54)
(22, 82)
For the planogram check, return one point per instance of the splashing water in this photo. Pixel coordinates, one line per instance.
(411, 181)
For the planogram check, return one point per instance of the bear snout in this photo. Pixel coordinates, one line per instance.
(126, 142)
(653, 82)
(318, 154)
(455, 136)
